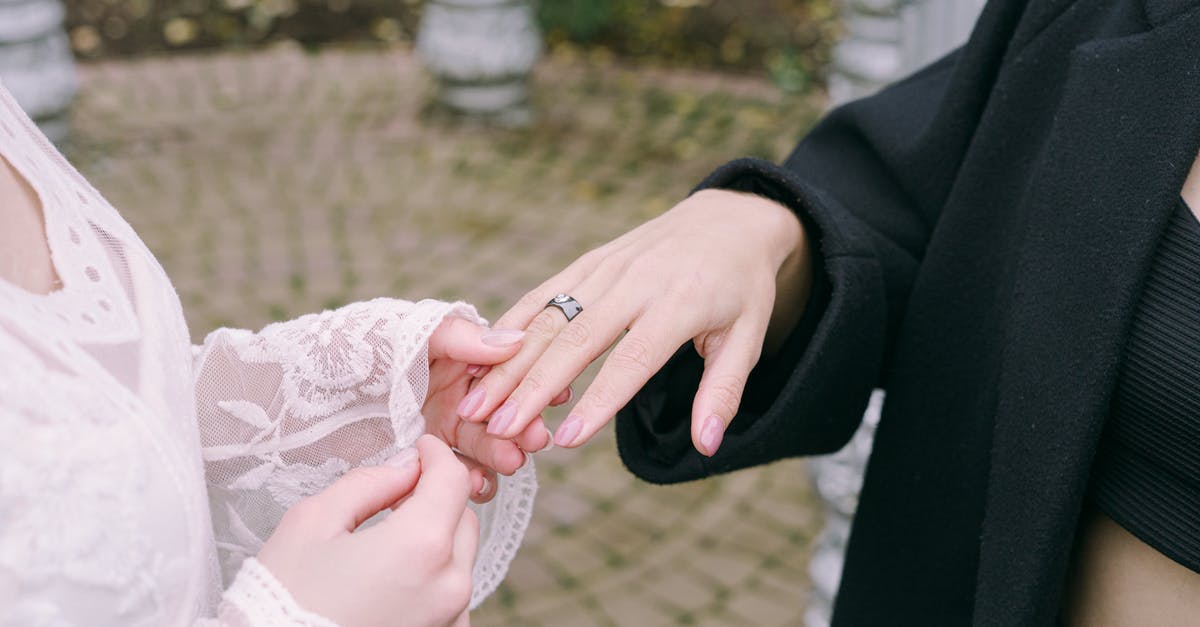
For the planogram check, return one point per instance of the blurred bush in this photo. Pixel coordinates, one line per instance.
(788, 38)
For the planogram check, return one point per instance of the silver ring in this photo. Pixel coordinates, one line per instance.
(569, 306)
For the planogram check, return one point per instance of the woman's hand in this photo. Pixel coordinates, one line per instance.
(723, 269)
(458, 350)
(412, 568)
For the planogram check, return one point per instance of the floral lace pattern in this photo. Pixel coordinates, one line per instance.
(138, 475)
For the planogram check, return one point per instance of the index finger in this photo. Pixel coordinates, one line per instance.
(442, 490)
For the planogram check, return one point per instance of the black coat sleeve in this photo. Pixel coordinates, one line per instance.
(868, 182)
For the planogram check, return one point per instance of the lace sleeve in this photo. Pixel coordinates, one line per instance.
(286, 411)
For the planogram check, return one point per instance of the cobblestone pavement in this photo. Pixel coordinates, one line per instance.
(275, 183)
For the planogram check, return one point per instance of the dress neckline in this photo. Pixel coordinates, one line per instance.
(90, 302)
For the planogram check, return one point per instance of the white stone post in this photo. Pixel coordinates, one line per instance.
(884, 41)
(481, 52)
(35, 62)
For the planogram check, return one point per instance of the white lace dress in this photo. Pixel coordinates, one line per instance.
(138, 472)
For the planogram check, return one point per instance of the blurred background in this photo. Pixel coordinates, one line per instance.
(284, 156)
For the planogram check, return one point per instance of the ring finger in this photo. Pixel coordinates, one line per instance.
(503, 378)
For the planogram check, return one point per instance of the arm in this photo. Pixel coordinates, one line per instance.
(866, 186)
(286, 411)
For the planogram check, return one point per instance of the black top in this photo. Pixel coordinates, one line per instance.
(984, 230)
(1147, 471)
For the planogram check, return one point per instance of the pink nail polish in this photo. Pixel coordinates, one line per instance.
(503, 417)
(501, 337)
(473, 370)
(471, 402)
(712, 434)
(403, 460)
(569, 430)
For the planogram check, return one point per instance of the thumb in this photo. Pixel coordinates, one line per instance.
(366, 491)
(466, 342)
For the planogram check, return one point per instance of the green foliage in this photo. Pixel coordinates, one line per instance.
(786, 39)
(581, 21)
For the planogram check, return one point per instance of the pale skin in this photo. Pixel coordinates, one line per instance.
(731, 272)
(428, 543)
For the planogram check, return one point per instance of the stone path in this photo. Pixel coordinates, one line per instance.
(274, 183)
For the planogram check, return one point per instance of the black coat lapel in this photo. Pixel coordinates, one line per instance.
(1127, 133)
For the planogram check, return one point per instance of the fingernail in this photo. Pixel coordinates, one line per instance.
(549, 441)
(404, 460)
(484, 487)
(569, 430)
(471, 402)
(473, 369)
(501, 337)
(503, 417)
(712, 434)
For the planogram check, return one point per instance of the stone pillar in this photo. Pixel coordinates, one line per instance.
(884, 40)
(35, 62)
(481, 52)
(888, 39)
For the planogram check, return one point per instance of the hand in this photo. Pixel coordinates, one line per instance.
(412, 568)
(459, 348)
(723, 269)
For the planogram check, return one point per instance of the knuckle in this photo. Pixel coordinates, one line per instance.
(500, 372)
(301, 515)
(600, 396)
(543, 325)
(726, 392)
(532, 383)
(632, 354)
(532, 299)
(576, 335)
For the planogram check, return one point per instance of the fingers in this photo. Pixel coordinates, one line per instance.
(500, 380)
(535, 436)
(726, 368)
(534, 301)
(466, 540)
(464, 341)
(482, 480)
(503, 456)
(547, 364)
(365, 491)
(441, 492)
(563, 397)
(466, 544)
(642, 352)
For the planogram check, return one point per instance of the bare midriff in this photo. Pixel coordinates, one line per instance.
(1117, 580)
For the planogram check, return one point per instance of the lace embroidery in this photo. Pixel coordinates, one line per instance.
(257, 599)
(103, 515)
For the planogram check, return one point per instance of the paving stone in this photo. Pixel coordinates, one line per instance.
(274, 183)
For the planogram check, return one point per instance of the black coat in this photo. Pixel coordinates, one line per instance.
(983, 230)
